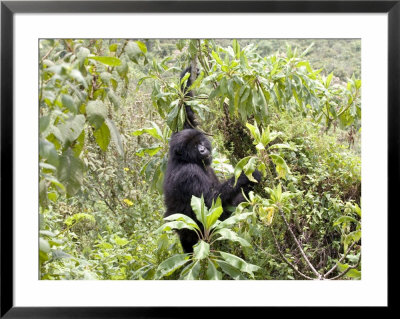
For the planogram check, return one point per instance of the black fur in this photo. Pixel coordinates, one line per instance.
(189, 173)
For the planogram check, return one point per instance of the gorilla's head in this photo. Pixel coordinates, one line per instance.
(190, 146)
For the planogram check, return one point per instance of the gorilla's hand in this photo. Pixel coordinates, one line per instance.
(243, 179)
(257, 175)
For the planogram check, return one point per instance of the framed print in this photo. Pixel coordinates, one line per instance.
(255, 130)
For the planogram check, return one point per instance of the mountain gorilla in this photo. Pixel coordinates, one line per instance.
(189, 173)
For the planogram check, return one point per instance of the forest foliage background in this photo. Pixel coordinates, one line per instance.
(290, 108)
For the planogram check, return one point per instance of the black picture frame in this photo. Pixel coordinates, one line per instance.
(9, 8)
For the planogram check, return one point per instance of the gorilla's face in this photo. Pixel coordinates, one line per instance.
(191, 146)
(204, 153)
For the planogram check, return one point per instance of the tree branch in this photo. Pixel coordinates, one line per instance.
(347, 270)
(48, 53)
(339, 261)
(319, 276)
(285, 259)
(102, 196)
(104, 200)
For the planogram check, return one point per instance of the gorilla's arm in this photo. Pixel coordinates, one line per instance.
(194, 180)
(191, 121)
(228, 192)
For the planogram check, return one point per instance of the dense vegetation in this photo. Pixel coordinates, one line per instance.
(290, 109)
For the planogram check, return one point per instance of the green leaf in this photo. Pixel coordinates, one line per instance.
(250, 167)
(201, 250)
(47, 166)
(82, 55)
(227, 234)
(59, 254)
(96, 113)
(185, 78)
(230, 270)
(244, 96)
(47, 233)
(70, 130)
(77, 75)
(123, 69)
(174, 225)
(262, 168)
(184, 218)
(115, 136)
(55, 182)
(120, 241)
(151, 131)
(212, 272)
(280, 165)
(52, 196)
(197, 82)
(113, 47)
(353, 236)
(181, 44)
(170, 265)
(68, 102)
(142, 46)
(193, 272)
(48, 151)
(133, 51)
(193, 49)
(239, 167)
(43, 257)
(232, 220)
(114, 99)
(199, 208)
(357, 209)
(160, 133)
(217, 58)
(352, 273)
(102, 136)
(280, 146)
(171, 118)
(162, 243)
(239, 263)
(266, 136)
(105, 77)
(216, 92)
(79, 144)
(306, 64)
(114, 84)
(77, 218)
(141, 80)
(44, 245)
(236, 48)
(70, 172)
(213, 215)
(260, 146)
(345, 219)
(266, 214)
(43, 193)
(149, 151)
(107, 60)
(44, 123)
(255, 132)
(329, 79)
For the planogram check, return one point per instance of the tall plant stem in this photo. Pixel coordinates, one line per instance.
(319, 276)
